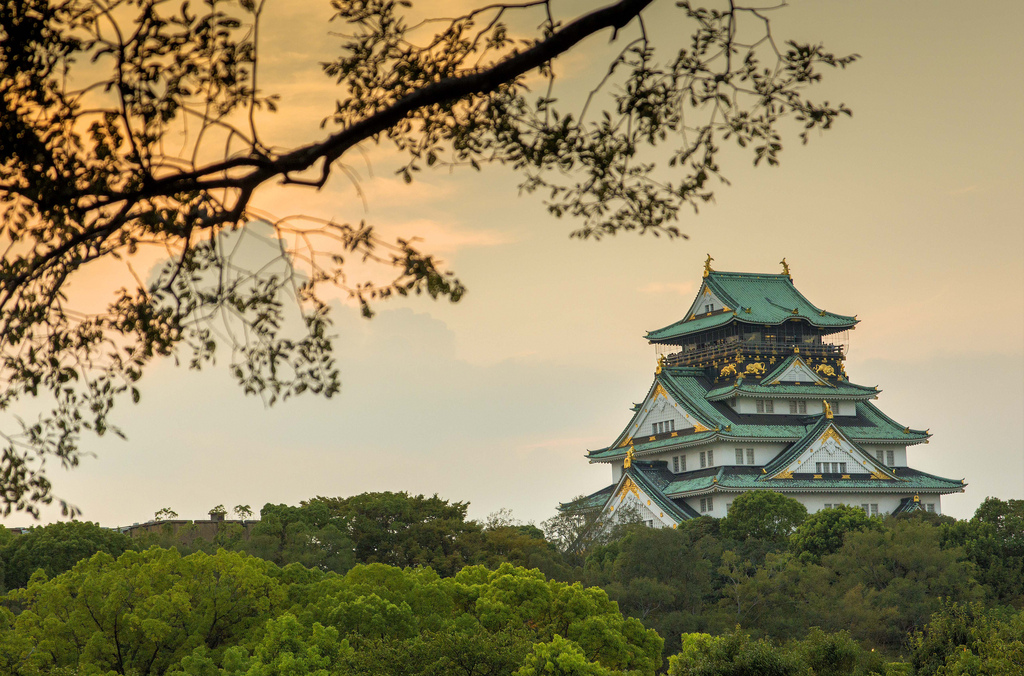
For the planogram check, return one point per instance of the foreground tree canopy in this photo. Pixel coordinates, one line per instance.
(90, 91)
(915, 594)
(156, 612)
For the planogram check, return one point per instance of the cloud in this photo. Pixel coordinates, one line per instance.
(446, 238)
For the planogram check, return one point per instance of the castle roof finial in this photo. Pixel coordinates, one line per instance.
(707, 266)
(785, 267)
(629, 458)
(828, 409)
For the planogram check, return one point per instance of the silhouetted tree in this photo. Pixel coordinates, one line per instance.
(90, 91)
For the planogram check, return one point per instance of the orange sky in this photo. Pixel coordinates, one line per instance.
(908, 215)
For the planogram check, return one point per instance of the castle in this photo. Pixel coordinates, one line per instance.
(751, 393)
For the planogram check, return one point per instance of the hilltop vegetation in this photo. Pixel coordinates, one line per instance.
(392, 583)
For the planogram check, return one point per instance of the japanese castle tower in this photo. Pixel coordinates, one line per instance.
(750, 393)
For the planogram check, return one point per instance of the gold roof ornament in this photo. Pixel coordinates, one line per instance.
(707, 266)
(828, 409)
(785, 267)
(661, 365)
(628, 462)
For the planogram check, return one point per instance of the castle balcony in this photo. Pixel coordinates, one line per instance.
(692, 355)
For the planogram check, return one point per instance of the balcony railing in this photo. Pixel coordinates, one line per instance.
(711, 352)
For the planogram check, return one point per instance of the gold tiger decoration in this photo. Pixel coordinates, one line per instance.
(756, 369)
(825, 369)
(729, 370)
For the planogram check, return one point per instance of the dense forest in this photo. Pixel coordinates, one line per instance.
(388, 583)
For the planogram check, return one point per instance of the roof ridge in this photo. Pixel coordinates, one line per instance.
(750, 274)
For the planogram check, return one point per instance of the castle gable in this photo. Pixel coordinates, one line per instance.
(707, 301)
(826, 450)
(794, 371)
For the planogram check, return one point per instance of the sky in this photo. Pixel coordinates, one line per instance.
(909, 215)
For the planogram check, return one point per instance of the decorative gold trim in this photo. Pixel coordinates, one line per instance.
(628, 487)
(828, 409)
(659, 391)
(697, 427)
(846, 476)
(628, 462)
(785, 474)
(626, 442)
(707, 266)
(785, 267)
(817, 476)
(878, 474)
(756, 369)
(830, 433)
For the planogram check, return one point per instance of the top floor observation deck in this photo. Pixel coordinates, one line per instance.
(701, 353)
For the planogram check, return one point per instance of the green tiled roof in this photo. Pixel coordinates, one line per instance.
(650, 446)
(756, 299)
(653, 487)
(839, 390)
(593, 501)
(688, 387)
(729, 479)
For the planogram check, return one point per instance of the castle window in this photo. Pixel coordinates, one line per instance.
(864, 506)
(739, 456)
(874, 509)
(890, 458)
(708, 308)
(828, 505)
(711, 458)
(706, 505)
(649, 523)
(675, 464)
(842, 468)
(682, 463)
(769, 406)
(801, 406)
(703, 459)
(750, 456)
(817, 468)
(760, 406)
(930, 507)
(878, 454)
(792, 407)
